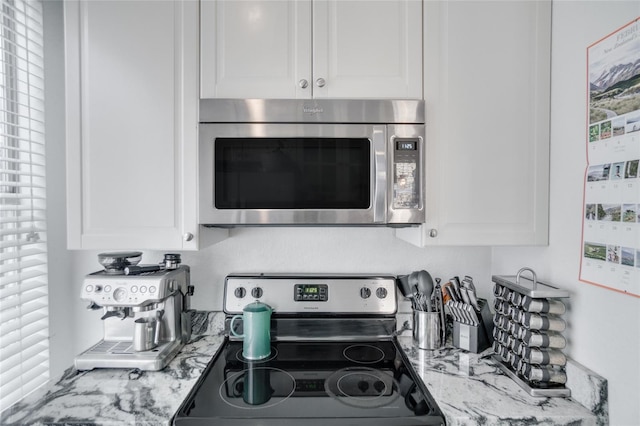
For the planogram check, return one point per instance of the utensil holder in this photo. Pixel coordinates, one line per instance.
(527, 335)
(426, 329)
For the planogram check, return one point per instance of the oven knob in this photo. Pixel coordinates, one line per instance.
(256, 292)
(365, 292)
(240, 292)
(381, 292)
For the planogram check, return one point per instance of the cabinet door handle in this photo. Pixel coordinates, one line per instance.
(188, 236)
(433, 233)
(320, 82)
(303, 83)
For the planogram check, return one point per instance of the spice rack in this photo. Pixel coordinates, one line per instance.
(527, 333)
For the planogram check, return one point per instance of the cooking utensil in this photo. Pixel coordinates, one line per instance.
(425, 282)
(448, 288)
(467, 284)
(472, 314)
(455, 281)
(465, 295)
(421, 302)
(407, 290)
(440, 307)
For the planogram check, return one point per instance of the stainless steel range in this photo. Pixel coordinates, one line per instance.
(334, 358)
(145, 312)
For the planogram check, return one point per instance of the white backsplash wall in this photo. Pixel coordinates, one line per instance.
(603, 326)
(307, 250)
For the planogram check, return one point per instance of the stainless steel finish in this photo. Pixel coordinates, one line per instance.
(344, 294)
(426, 329)
(144, 334)
(115, 262)
(130, 303)
(120, 354)
(141, 269)
(336, 111)
(382, 121)
(133, 290)
(380, 170)
(540, 392)
(528, 287)
(381, 212)
(321, 82)
(303, 84)
(187, 236)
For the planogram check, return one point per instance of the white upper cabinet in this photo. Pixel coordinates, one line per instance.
(311, 49)
(131, 99)
(487, 96)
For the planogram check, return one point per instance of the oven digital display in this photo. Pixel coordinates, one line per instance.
(310, 385)
(311, 293)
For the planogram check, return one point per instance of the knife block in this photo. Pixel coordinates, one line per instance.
(470, 338)
(475, 338)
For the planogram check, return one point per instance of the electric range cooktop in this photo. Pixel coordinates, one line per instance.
(311, 383)
(334, 359)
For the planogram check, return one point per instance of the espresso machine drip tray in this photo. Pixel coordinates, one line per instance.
(106, 347)
(120, 354)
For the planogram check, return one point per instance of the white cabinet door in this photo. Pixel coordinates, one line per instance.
(367, 49)
(255, 49)
(131, 124)
(311, 49)
(487, 94)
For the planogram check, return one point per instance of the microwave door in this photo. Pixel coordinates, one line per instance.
(292, 174)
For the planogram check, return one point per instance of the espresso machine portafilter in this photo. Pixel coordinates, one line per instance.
(145, 311)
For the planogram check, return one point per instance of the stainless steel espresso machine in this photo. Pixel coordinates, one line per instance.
(146, 318)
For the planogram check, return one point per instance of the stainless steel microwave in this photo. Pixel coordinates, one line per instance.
(313, 162)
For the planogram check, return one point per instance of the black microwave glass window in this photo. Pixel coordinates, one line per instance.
(292, 173)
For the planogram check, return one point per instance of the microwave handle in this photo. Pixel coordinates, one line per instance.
(380, 175)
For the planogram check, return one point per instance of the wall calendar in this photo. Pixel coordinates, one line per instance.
(611, 211)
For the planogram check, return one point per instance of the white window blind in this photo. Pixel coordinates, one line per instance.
(24, 339)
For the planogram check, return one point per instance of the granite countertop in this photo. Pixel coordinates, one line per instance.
(113, 397)
(469, 388)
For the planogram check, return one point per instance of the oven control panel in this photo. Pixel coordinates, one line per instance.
(311, 292)
(341, 294)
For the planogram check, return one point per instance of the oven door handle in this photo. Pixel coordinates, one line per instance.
(379, 140)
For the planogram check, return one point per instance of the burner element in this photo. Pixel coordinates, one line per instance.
(363, 354)
(257, 387)
(241, 358)
(362, 387)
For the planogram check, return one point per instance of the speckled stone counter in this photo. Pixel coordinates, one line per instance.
(470, 389)
(119, 396)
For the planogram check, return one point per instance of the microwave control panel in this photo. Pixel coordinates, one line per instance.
(406, 173)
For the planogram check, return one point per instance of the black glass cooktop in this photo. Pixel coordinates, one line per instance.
(311, 383)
